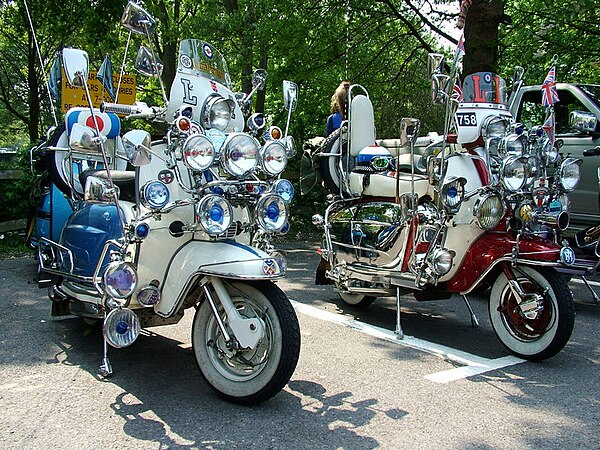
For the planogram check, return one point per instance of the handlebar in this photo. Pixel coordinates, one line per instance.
(117, 108)
(138, 110)
(592, 151)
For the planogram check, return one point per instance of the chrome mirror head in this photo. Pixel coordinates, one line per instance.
(83, 139)
(138, 20)
(517, 75)
(258, 79)
(290, 95)
(97, 190)
(434, 64)
(147, 63)
(76, 65)
(137, 147)
(583, 121)
(409, 130)
(439, 88)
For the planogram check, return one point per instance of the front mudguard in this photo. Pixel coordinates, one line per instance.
(492, 248)
(223, 259)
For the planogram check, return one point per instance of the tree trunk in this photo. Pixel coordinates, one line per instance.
(481, 36)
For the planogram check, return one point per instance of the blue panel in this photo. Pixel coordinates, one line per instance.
(86, 232)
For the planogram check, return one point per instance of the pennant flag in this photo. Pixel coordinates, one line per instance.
(550, 126)
(460, 47)
(549, 93)
(55, 78)
(105, 75)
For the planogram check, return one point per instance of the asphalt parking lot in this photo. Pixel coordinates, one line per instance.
(447, 385)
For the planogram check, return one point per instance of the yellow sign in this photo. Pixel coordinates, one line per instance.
(72, 97)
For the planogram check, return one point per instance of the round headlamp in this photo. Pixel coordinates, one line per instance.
(154, 194)
(198, 152)
(271, 213)
(513, 172)
(119, 279)
(515, 144)
(217, 112)
(215, 214)
(121, 327)
(488, 211)
(240, 154)
(569, 173)
(441, 261)
(494, 127)
(273, 158)
(549, 151)
(453, 192)
(285, 189)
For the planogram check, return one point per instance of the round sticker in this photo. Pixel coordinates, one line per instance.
(166, 176)
(207, 50)
(185, 61)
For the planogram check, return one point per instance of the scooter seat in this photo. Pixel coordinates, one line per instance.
(384, 184)
(124, 179)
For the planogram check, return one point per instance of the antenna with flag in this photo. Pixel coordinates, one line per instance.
(37, 48)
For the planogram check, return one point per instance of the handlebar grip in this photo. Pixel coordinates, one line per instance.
(592, 151)
(117, 108)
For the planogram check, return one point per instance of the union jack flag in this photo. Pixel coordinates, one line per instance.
(549, 93)
(460, 47)
(457, 93)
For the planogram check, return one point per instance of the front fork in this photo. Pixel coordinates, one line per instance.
(246, 333)
(531, 304)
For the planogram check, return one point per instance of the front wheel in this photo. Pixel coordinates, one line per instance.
(250, 376)
(540, 325)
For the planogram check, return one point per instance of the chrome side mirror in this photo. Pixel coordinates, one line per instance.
(583, 121)
(138, 20)
(137, 147)
(517, 75)
(409, 131)
(290, 95)
(83, 139)
(76, 64)
(434, 64)
(439, 88)
(258, 79)
(147, 63)
(97, 190)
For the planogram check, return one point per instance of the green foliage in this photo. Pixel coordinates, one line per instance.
(14, 201)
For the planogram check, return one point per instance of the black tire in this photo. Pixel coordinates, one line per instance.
(329, 166)
(230, 374)
(544, 335)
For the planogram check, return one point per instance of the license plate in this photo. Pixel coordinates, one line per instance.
(466, 119)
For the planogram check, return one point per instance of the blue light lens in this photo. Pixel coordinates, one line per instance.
(273, 211)
(216, 213)
(285, 190)
(452, 192)
(142, 230)
(155, 194)
(122, 327)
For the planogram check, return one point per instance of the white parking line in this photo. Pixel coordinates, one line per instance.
(472, 364)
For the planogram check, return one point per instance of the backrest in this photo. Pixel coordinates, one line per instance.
(362, 124)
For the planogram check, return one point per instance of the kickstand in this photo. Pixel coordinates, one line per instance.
(105, 369)
(474, 321)
(596, 298)
(399, 332)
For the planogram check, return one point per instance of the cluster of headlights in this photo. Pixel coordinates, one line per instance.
(240, 155)
(215, 213)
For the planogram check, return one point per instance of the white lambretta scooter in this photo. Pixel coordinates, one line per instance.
(188, 227)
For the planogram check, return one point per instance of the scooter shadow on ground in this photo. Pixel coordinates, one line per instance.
(164, 399)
